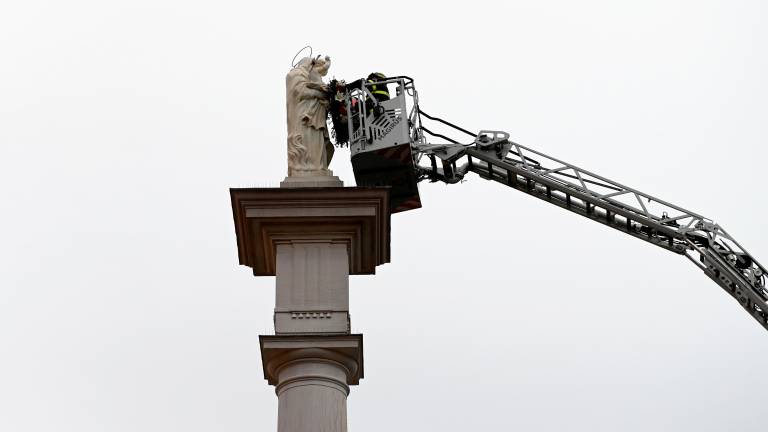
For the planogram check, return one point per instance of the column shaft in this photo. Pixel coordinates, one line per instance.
(312, 397)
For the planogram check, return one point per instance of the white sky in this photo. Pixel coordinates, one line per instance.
(123, 124)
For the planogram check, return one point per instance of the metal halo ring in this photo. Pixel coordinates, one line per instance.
(293, 62)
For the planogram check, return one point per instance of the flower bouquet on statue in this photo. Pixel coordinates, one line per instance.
(337, 111)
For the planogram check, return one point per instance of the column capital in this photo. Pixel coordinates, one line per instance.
(279, 352)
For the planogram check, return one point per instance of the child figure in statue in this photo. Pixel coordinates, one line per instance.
(309, 147)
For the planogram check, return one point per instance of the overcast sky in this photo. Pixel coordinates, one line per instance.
(124, 123)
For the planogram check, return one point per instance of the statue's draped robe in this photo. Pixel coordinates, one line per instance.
(309, 148)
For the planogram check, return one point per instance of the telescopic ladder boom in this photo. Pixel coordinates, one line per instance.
(388, 141)
(632, 212)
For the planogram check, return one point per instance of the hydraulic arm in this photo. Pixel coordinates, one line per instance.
(389, 147)
(632, 212)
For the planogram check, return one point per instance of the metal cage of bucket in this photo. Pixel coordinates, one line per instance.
(380, 138)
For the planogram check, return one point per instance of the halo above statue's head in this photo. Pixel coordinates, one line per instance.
(309, 57)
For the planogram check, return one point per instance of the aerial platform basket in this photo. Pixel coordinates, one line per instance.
(380, 137)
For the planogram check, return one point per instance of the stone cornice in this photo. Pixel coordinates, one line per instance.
(357, 217)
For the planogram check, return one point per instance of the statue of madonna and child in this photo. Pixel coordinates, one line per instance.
(309, 146)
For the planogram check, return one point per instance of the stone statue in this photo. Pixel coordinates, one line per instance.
(309, 148)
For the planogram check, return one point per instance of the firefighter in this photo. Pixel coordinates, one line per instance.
(379, 91)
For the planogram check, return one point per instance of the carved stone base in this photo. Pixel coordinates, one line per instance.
(311, 180)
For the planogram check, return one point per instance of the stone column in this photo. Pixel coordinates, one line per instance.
(312, 383)
(312, 393)
(312, 239)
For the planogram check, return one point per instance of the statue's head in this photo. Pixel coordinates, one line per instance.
(322, 64)
(317, 64)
